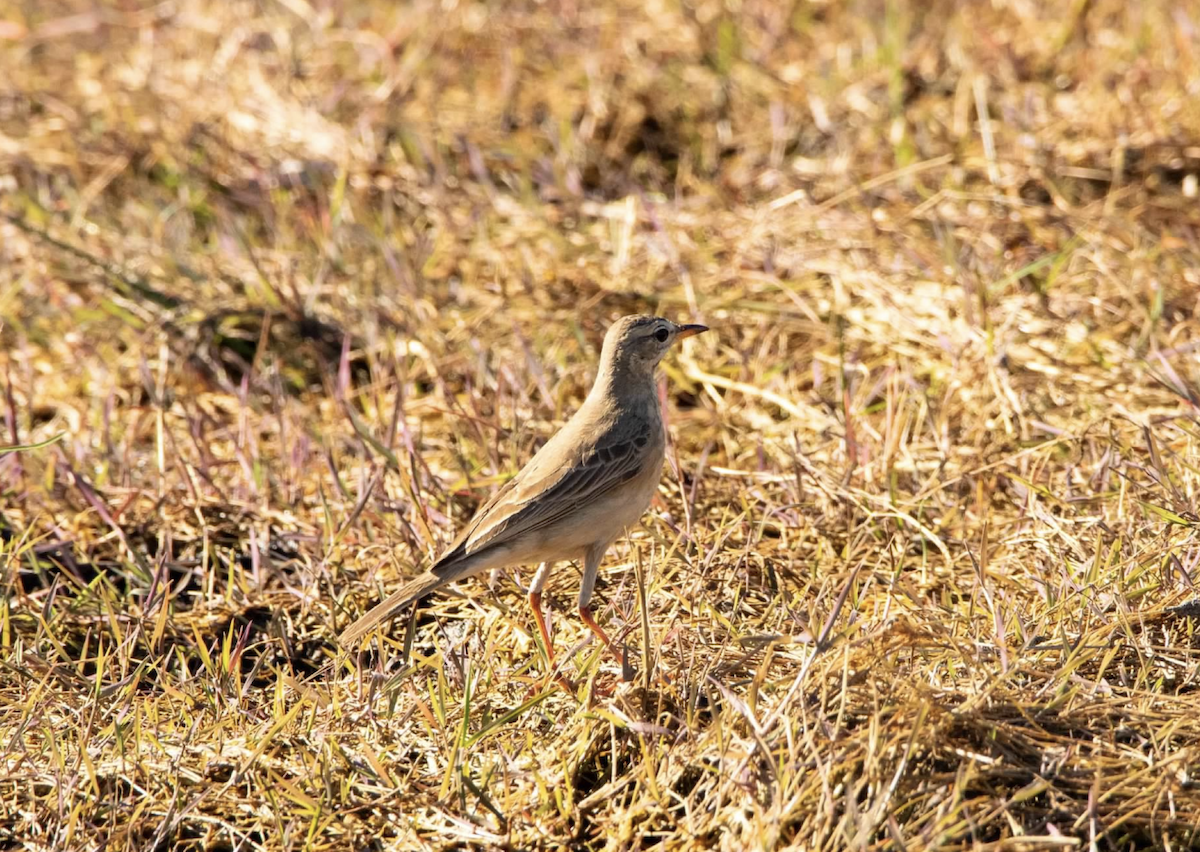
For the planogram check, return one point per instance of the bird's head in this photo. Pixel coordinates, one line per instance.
(635, 344)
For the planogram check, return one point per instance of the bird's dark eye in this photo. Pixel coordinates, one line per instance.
(661, 335)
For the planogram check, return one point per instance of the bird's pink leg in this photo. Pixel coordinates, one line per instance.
(535, 603)
(585, 613)
(591, 567)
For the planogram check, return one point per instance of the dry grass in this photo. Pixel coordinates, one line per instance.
(288, 286)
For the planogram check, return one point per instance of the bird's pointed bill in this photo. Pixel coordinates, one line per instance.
(689, 330)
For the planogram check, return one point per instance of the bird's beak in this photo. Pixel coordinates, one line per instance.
(689, 330)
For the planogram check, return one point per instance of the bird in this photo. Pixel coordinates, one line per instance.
(579, 493)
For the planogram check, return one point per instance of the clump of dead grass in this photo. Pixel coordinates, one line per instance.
(287, 289)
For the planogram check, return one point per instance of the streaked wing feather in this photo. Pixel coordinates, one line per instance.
(588, 481)
(595, 475)
(458, 548)
(504, 518)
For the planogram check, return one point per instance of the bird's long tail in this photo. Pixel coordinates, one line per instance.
(410, 592)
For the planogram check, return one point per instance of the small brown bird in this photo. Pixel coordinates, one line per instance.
(581, 490)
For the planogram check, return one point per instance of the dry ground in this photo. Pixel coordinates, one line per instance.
(287, 287)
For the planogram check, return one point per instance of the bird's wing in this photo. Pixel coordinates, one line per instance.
(546, 490)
